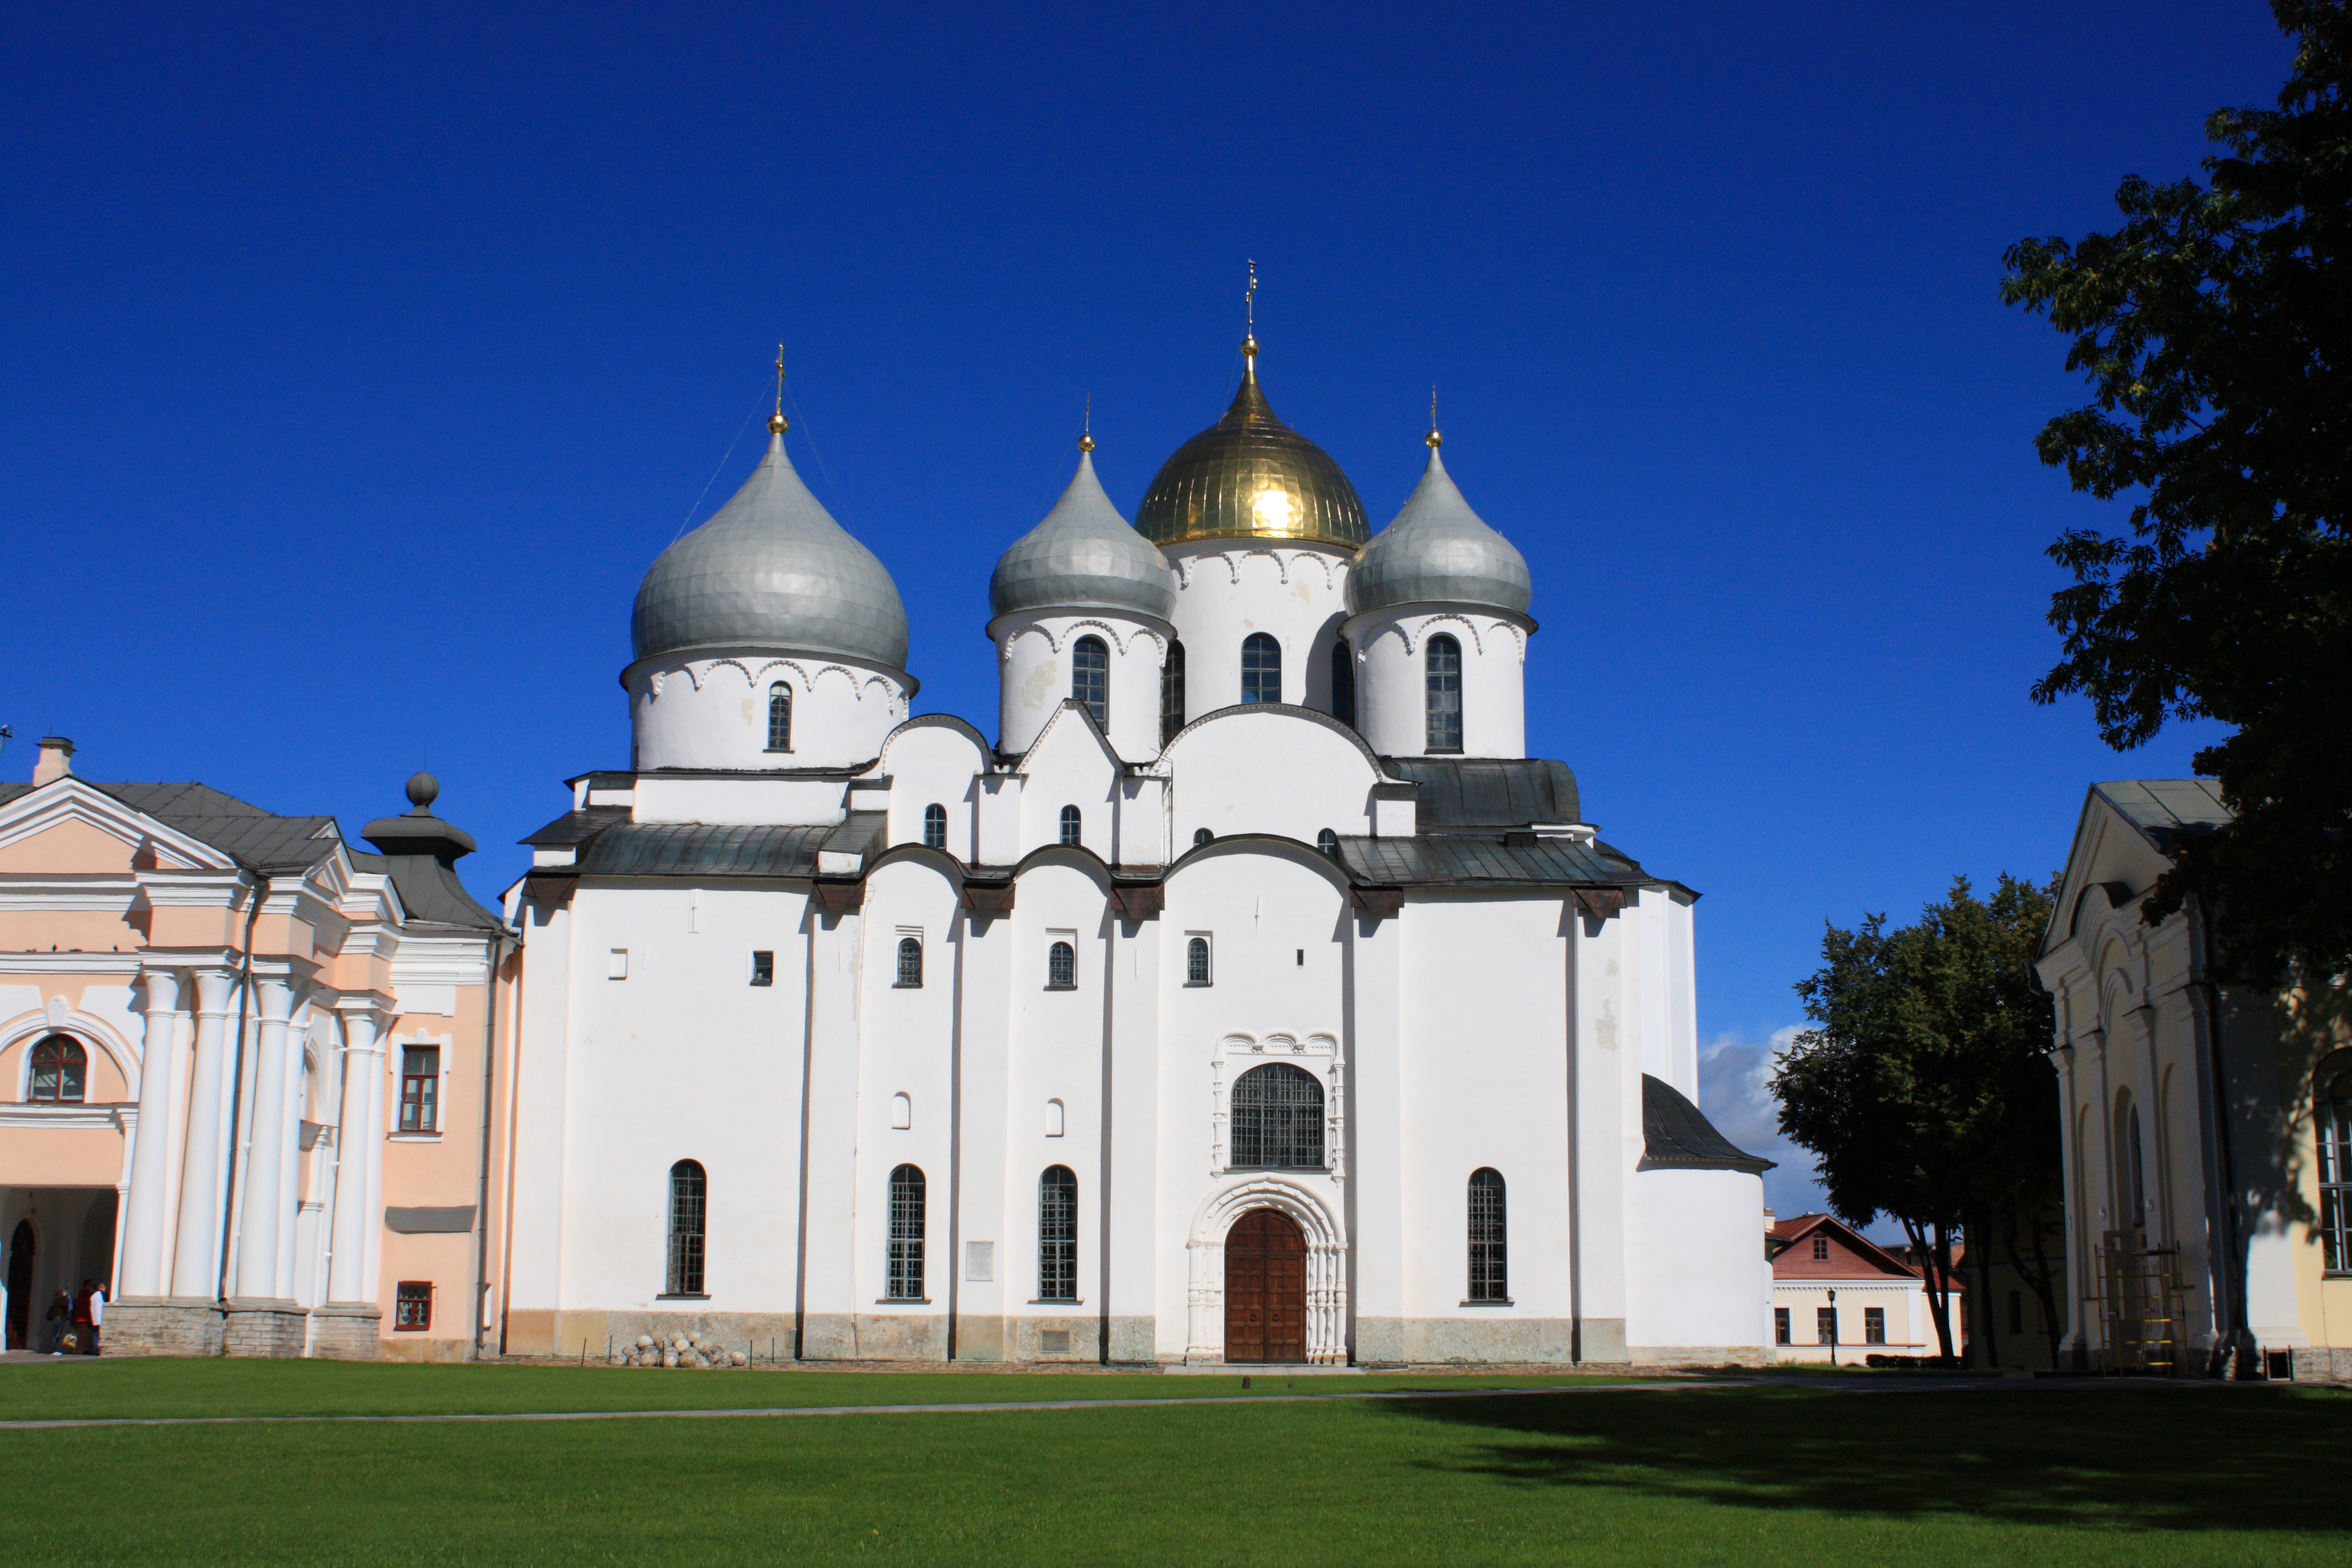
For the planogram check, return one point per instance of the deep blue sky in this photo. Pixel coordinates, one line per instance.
(361, 360)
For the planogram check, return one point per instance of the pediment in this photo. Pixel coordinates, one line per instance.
(2110, 862)
(69, 828)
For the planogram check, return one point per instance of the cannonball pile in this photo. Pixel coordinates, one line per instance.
(697, 1351)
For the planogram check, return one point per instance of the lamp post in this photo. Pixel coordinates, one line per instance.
(1833, 1328)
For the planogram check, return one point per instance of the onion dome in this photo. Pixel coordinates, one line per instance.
(771, 570)
(1439, 552)
(1250, 476)
(1084, 557)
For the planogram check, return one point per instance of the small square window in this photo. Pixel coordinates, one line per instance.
(412, 1309)
(617, 965)
(763, 967)
(1820, 1249)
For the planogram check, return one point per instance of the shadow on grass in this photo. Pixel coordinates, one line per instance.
(2186, 1459)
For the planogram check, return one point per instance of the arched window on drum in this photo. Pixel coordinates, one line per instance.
(1090, 678)
(779, 717)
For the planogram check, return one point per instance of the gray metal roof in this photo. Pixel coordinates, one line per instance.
(2160, 808)
(1478, 794)
(578, 827)
(1464, 860)
(256, 839)
(1439, 552)
(1083, 556)
(1676, 1136)
(771, 570)
(700, 850)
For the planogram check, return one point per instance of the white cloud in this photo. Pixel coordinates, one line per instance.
(1735, 1089)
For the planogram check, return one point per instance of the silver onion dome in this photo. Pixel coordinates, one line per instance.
(1439, 552)
(771, 570)
(1084, 557)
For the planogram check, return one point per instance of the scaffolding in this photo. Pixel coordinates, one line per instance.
(2140, 1305)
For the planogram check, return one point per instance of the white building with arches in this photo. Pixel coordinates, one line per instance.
(1248, 995)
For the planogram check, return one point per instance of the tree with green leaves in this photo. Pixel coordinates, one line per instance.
(2215, 327)
(1925, 1088)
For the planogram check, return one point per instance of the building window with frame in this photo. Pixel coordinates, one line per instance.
(935, 826)
(412, 1306)
(420, 1088)
(2333, 1106)
(1061, 967)
(1261, 668)
(1343, 684)
(1073, 826)
(1441, 660)
(1820, 1249)
(61, 1070)
(763, 966)
(905, 1260)
(1782, 1333)
(1196, 960)
(1825, 1325)
(1201, 835)
(1090, 679)
(1277, 1119)
(689, 1201)
(1490, 1279)
(1328, 843)
(1873, 1325)
(910, 964)
(779, 717)
(1172, 693)
(1057, 1235)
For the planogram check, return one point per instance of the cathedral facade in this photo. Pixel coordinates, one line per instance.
(1248, 995)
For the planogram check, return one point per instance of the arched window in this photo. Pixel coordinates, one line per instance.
(2333, 1112)
(906, 1280)
(1201, 835)
(1327, 842)
(61, 1069)
(1061, 967)
(688, 1200)
(1074, 824)
(1277, 1119)
(779, 717)
(1490, 1277)
(1172, 693)
(1090, 678)
(1343, 684)
(911, 962)
(935, 826)
(1057, 1235)
(1442, 658)
(1261, 668)
(1196, 962)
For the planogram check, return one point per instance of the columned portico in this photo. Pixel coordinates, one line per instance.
(348, 1327)
(262, 1319)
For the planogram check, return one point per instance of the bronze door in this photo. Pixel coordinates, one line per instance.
(1266, 1288)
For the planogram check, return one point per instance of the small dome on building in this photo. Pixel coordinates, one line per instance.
(1084, 557)
(771, 570)
(1439, 552)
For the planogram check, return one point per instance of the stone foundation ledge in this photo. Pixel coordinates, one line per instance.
(347, 1330)
(2317, 1363)
(271, 1329)
(162, 1325)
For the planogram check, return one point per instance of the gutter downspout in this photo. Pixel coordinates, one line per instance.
(236, 1090)
(491, 950)
(2233, 1273)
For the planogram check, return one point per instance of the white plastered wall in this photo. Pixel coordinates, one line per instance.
(1034, 676)
(1391, 649)
(711, 710)
(1227, 589)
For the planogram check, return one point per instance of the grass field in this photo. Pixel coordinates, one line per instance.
(1755, 1477)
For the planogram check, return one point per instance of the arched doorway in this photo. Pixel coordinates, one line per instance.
(1266, 1288)
(20, 1286)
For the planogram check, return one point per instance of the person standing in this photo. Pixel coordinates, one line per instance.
(94, 1304)
(60, 1322)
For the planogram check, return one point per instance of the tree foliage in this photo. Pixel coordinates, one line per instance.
(2215, 327)
(1923, 1090)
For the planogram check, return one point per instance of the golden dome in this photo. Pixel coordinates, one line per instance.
(1250, 476)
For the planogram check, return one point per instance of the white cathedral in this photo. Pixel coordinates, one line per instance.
(1250, 996)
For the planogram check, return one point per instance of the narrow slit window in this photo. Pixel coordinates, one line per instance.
(1343, 684)
(935, 826)
(689, 1193)
(1261, 668)
(1090, 679)
(1073, 826)
(2334, 1117)
(906, 1258)
(61, 1070)
(779, 717)
(910, 964)
(1443, 662)
(1490, 1279)
(1172, 693)
(1196, 962)
(1057, 1235)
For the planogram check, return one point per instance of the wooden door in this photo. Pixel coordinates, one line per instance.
(1266, 1288)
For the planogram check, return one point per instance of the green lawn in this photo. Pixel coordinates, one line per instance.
(1750, 1476)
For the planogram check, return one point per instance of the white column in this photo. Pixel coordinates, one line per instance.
(359, 1156)
(158, 1071)
(2077, 1286)
(195, 1256)
(262, 1208)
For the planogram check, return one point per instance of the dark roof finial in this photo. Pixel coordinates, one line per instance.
(423, 789)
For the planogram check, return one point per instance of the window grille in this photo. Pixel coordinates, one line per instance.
(61, 1069)
(1261, 668)
(935, 826)
(1057, 1235)
(1277, 1119)
(2335, 1119)
(688, 1194)
(1061, 967)
(420, 1088)
(1490, 1278)
(1825, 1325)
(1327, 842)
(1196, 962)
(1172, 693)
(412, 1306)
(1821, 1248)
(910, 962)
(779, 717)
(1873, 1325)
(1443, 662)
(905, 1281)
(1781, 1332)
(1343, 684)
(1090, 678)
(1074, 823)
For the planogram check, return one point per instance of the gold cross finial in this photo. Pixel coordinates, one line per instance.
(1434, 438)
(1087, 439)
(776, 421)
(1249, 318)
